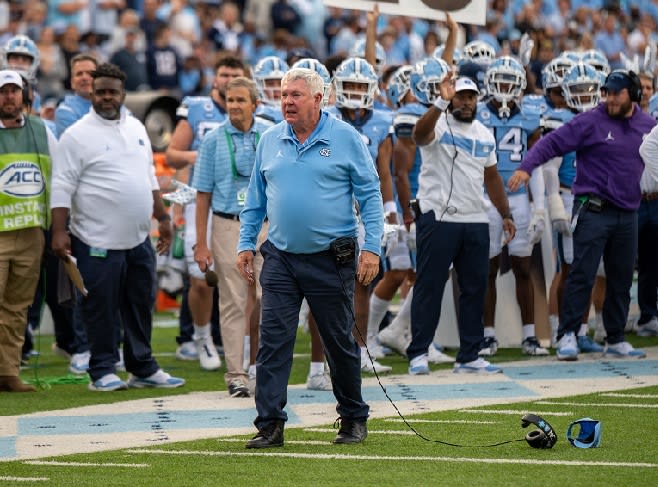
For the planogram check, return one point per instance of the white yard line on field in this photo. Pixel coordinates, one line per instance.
(24, 479)
(339, 456)
(600, 404)
(444, 421)
(52, 463)
(514, 412)
(629, 396)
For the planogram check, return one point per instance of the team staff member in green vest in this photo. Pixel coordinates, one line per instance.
(25, 148)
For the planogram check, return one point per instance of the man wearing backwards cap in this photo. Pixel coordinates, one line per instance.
(606, 198)
(25, 148)
(459, 157)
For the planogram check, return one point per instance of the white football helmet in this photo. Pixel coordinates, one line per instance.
(582, 87)
(24, 46)
(268, 73)
(318, 67)
(426, 77)
(479, 52)
(348, 76)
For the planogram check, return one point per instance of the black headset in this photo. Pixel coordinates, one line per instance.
(635, 91)
(544, 437)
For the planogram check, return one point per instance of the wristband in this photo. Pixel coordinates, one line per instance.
(163, 218)
(508, 216)
(390, 207)
(441, 104)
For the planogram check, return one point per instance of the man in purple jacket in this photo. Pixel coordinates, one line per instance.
(606, 198)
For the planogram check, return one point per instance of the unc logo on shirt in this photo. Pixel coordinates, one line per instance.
(21, 179)
(325, 152)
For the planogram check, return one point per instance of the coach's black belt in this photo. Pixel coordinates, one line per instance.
(227, 216)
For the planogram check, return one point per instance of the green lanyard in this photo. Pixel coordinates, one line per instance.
(231, 152)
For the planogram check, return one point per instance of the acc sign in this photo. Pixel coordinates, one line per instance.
(21, 179)
(465, 11)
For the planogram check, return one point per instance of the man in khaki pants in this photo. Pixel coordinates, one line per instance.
(221, 176)
(25, 148)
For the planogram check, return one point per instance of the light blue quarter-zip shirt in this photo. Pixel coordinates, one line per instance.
(307, 190)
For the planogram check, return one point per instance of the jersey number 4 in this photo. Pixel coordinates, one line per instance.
(512, 142)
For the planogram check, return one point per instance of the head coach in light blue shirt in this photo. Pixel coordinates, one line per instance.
(309, 170)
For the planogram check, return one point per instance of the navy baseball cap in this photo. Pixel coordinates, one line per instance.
(617, 81)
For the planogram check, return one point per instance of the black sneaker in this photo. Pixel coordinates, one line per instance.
(238, 389)
(268, 437)
(351, 430)
(489, 347)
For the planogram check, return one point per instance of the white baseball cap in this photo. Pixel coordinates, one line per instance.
(465, 83)
(9, 77)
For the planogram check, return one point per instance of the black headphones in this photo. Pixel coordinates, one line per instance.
(636, 91)
(544, 437)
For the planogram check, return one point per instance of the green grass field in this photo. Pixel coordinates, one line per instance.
(390, 456)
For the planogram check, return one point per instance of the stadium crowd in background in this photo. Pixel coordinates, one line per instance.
(537, 65)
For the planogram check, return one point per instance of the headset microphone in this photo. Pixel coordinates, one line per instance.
(457, 112)
(211, 278)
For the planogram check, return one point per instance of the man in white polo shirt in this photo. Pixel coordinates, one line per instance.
(105, 179)
(459, 159)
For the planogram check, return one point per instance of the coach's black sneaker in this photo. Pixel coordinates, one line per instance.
(351, 430)
(268, 437)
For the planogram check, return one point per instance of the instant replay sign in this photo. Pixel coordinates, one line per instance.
(464, 11)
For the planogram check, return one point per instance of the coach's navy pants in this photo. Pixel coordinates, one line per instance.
(439, 244)
(286, 279)
(121, 289)
(611, 233)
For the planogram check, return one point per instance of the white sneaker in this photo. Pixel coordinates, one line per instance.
(187, 351)
(79, 363)
(419, 365)
(319, 382)
(436, 356)
(207, 353)
(159, 379)
(368, 365)
(477, 366)
(649, 329)
(395, 339)
(108, 383)
(623, 350)
(567, 347)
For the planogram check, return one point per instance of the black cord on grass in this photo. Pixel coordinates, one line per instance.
(383, 388)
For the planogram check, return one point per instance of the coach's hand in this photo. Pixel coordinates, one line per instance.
(246, 266)
(368, 267)
(517, 179)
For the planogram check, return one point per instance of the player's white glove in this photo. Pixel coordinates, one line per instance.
(559, 218)
(183, 195)
(389, 238)
(411, 237)
(536, 226)
(525, 49)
